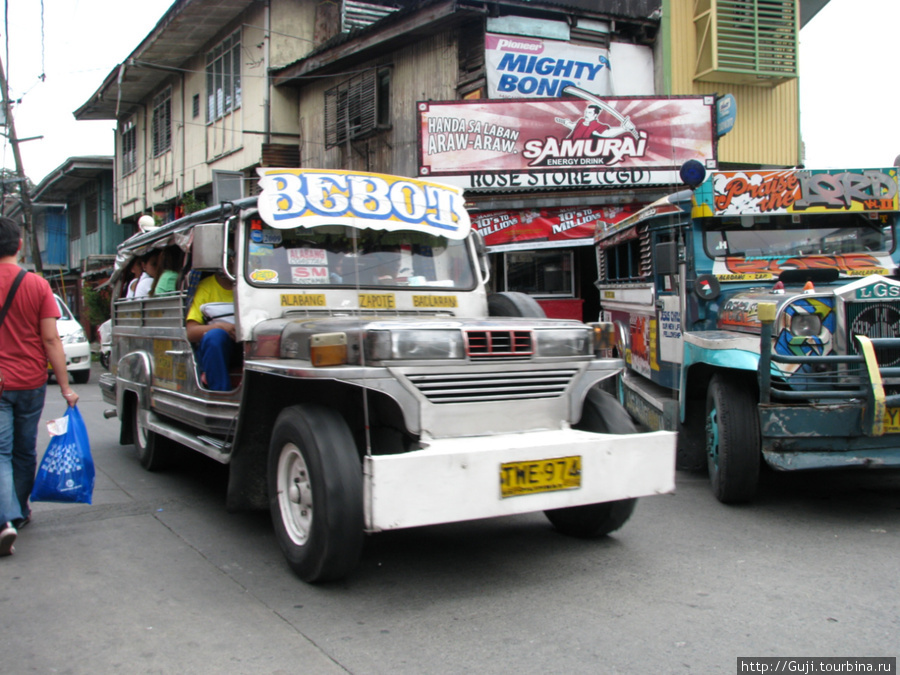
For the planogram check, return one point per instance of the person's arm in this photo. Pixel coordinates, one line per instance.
(57, 357)
(196, 330)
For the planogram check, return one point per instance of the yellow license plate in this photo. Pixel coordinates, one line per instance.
(892, 420)
(542, 475)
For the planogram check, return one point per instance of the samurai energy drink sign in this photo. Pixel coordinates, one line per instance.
(572, 142)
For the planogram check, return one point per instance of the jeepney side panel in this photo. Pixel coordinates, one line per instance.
(647, 310)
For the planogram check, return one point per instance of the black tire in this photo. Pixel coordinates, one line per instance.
(81, 376)
(592, 520)
(603, 414)
(732, 439)
(514, 304)
(316, 492)
(104, 359)
(155, 452)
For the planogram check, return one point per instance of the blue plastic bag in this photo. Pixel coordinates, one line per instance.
(66, 473)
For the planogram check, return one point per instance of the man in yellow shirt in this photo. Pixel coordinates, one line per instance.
(215, 337)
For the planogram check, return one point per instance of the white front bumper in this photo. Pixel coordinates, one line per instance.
(459, 479)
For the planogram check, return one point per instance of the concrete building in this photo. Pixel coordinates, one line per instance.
(222, 87)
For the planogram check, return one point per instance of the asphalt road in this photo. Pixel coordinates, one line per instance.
(156, 577)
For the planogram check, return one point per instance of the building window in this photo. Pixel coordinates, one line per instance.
(90, 214)
(223, 78)
(541, 273)
(195, 106)
(357, 108)
(162, 123)
(74, 218)
(129, 148)
(746, 41)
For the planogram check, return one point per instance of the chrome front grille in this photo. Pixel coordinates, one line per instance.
(496, 386)
(499, 344)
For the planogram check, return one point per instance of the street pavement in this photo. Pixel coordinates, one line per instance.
(118, 586)
(156, 577)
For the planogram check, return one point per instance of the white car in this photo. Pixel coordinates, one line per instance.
(75, 344)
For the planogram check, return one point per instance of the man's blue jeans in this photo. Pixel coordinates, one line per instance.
(20, 412)
(217, 352)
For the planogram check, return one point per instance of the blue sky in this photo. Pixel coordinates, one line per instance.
(848, 78)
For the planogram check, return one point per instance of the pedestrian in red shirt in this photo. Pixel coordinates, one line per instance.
(28, 340)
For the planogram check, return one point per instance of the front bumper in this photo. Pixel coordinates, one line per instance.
(459, 479)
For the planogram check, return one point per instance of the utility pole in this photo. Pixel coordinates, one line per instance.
(23, 190)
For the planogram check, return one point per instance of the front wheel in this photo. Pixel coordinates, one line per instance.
(155, 452)
(732, 439)
(316, 492)
(601, 414)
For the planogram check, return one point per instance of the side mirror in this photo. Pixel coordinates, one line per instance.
(206, 248)
(481, 252)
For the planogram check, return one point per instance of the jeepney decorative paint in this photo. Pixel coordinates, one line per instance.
(790, 191)
(294, 197)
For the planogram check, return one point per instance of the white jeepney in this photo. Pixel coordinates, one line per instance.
(380, 385)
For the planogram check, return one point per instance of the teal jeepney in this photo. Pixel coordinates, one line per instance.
(759, 315)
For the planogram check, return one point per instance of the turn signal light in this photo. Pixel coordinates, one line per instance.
(809, 288)
(604, 335)
(328, 349)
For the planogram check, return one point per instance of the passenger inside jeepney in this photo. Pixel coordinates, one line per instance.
(167, 271)
(132, 276)
(214, 335)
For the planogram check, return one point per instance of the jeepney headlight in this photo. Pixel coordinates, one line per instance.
(383, 345)
(564, 342)
(806, 325)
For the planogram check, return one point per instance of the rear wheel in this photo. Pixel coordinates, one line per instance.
(732, 439)
(602, 414)
(316, 492)
(155, 452)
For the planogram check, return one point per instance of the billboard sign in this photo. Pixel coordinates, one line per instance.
(520, 67)
(573, 225)
(571, 142)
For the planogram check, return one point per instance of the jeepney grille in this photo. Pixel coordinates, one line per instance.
(874, 320)
(497, 386)
(499, 344)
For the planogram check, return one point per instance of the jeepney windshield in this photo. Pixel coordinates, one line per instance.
(758, 236)
(339, 255)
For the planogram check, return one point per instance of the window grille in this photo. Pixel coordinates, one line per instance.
(162, 122)
(129, 148)
(223, 78)
(746, 41)
(358, 107)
